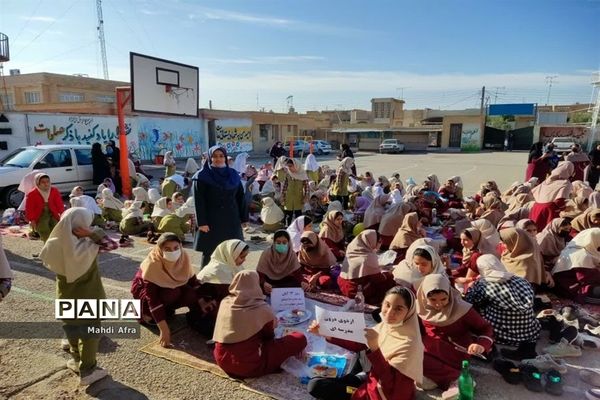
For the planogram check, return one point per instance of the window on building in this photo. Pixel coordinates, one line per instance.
(105, 98)
(71, 97)
(8, 101)
(33, 97)
(289, 129)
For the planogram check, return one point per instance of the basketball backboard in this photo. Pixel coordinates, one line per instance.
(163, 86)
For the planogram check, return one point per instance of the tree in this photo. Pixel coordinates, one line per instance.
(580, 117)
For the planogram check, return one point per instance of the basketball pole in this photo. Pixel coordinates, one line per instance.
(123, 95)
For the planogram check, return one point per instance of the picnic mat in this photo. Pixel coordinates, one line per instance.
(15, 230)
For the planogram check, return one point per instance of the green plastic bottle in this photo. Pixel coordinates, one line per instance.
(465, 383)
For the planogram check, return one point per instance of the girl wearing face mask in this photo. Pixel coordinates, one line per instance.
(278, 265)
(220, 205)
(43, 206)
(316, 260)
(166, 282)
(361, 268)
(577, 271)
(553, 239)
(245, 344)
(225, 262)
(453, 332)
(393, 348)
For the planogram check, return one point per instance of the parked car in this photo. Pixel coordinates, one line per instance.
(66, 165)
(300, 146)
(391, 146)
(563, 143)
(321, 147)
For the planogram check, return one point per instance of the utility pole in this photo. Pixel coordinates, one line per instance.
(100, 29)
(496, 93)
(550, 80)
(596, 112)
(401, 90)
(482, 100)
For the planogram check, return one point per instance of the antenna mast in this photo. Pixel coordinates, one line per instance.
(100, 29)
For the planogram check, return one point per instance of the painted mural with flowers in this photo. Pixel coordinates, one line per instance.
(186, 137)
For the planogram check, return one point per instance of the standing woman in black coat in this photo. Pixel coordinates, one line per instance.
(99, 164)
(219, 198)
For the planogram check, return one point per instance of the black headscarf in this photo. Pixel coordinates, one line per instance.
(226, 177)
(535, 151)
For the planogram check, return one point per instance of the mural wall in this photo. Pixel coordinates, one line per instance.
(470, 139)
(234, 134)
(186, 137)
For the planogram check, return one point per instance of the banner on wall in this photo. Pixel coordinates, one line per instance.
(470, 139)
(234, 134)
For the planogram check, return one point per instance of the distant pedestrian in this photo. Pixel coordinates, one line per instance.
(277, 151)
(170, 164)
(100, 168)
(537, 163)
(594, 172)
(346, 152)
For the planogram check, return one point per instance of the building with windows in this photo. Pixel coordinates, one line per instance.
(48, 92)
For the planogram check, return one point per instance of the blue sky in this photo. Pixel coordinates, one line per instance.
(327, 54)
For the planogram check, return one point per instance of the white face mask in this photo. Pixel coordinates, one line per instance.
(172, 256)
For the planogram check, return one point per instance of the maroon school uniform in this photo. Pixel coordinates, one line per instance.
(577, 283)
(336, 247)
(466, 265)
(292, 280)
(381, 378)
(442, 362)
(325, 280)
(543, 213)
(259, 355)
(373, 286)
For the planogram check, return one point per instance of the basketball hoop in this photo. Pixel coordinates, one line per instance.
(168, 88)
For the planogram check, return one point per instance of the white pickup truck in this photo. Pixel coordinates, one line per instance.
(66, 165)
(563, 143)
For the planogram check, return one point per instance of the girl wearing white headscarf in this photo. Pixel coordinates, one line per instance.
(133, 222)
(295, 191)
(240, 163)
(422, 259)
(225, 262)
(178, 222)
(191, 167)
(453, 331)
(111, 206)
(394, 349)
(505, 301)
(162, 208)
(90, 204)
(170, 164)
(172, 184)
(271, 215)
(311, 166)
(71, 252)
(297, 228)
(577, 271)
(375, 211)
(339, 189)
(43, 206)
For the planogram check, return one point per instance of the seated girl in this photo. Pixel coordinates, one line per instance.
(316, 210)
(111, 207)
(316, 260)
(448, 192)
(133, 222)
(506, 301)
(162, 208)
(178, 200)
(375, 211)
(422, 259)
(392, 221)
(172, 184)
(577, 271)
(589, 219)
(492, 209)
(523, 258)
(106, 184)
(297, 228)
(393, 348)
(271, 215)
(225, 262)
(453, 331)
(332, 233)
(166, 282)
(244, 332)
(410, 230)
(528, 226)
(278, 265)
(153, 197)
(467, 272)
(553, 239)
(361, 268)
(90, 204)
(179, 222)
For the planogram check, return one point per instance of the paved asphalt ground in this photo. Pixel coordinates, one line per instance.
(35, 369)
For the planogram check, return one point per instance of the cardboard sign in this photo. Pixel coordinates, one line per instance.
(341, 324)
(287, 299)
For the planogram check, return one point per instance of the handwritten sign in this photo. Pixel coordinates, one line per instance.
(287, 299)
(341, 324)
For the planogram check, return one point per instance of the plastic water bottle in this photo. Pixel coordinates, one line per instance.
(465, 383)
(434, 219)
(360, 300)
